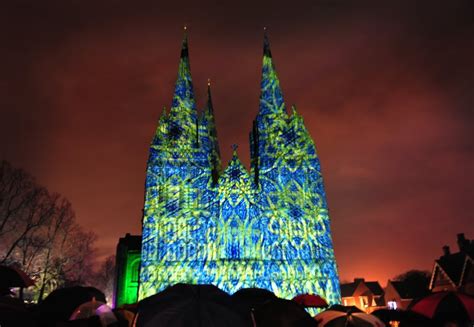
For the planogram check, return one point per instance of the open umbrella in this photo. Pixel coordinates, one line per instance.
(279, 312)
(188, 305)
(345, 308)
(446, 306)
(95, 308)
(60, 304)
(406, 318)
(310, 301)
(248, 299)
(253, 297)
(13, 314)
(14, 277)
(333, 318)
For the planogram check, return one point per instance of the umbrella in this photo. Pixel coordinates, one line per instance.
(333, 318)
(14, 277)
(188, 305)
(95, 308)
(248, 299)
(407, 318)
(279, 312)
(345, 308)
(13, 313)
(446, 306)
(60, 304)
(125, 315)
(310, 301)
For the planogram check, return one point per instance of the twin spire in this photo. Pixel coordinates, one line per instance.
(182, 122)
(183, 97)
(271, 97)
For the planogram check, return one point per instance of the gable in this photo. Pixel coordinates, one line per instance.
(468, 273)
(440, 278)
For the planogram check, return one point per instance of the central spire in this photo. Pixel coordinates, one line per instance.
(271, 97)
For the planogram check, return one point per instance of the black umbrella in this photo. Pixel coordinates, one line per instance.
(188, 305)
(282, 313)
(14, 277)
(344, 308)
(406, 318)
(13, 313)
(60, 304)
(253, 296)
(248, 299)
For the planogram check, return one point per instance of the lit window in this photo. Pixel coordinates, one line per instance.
(392, 305)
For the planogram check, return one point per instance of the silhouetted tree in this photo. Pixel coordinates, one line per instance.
(417, 281)
(39, 233)
(104, 279)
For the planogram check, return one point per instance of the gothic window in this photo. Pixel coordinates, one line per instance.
(135, 269)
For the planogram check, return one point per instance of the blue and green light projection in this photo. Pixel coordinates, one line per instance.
(266, 228)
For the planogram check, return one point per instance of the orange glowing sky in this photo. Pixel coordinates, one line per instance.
(385, 91)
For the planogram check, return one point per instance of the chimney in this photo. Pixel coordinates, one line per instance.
(462, 242)
(446, 250)
(359, 280)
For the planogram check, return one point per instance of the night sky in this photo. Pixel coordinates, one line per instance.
(386, 92)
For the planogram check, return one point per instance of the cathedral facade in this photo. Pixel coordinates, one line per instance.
(267, 228)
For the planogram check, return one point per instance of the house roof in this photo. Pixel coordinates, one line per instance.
(402, 289)
(348, 289)
(453, 265)
(374, 287)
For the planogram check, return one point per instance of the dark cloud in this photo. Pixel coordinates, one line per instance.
(384, 88)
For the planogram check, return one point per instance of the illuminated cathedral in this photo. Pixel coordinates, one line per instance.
(267, 227)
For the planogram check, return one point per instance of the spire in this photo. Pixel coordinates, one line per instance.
(209, 107)
(271, 97)
(209, 113)
(183, 105)
(266, 44)
(184, 47)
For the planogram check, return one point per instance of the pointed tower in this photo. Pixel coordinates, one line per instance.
(183, 114)
(271, 97)
(179, 189)
(271, 119)
(294, 217)
(208, 136)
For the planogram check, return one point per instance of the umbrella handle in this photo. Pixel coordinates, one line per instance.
(253, 318)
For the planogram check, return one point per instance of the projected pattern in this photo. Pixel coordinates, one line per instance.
(268, 228)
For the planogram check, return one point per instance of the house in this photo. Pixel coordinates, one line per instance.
(367, 296)
(398, 295)
(455, 271)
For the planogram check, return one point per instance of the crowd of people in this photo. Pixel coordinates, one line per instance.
(200, 305)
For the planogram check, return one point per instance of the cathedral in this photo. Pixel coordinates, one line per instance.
(205, 224)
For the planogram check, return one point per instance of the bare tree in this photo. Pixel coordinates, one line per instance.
(39, 233)
(25, 207)
(104, 277)
(55, 236)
